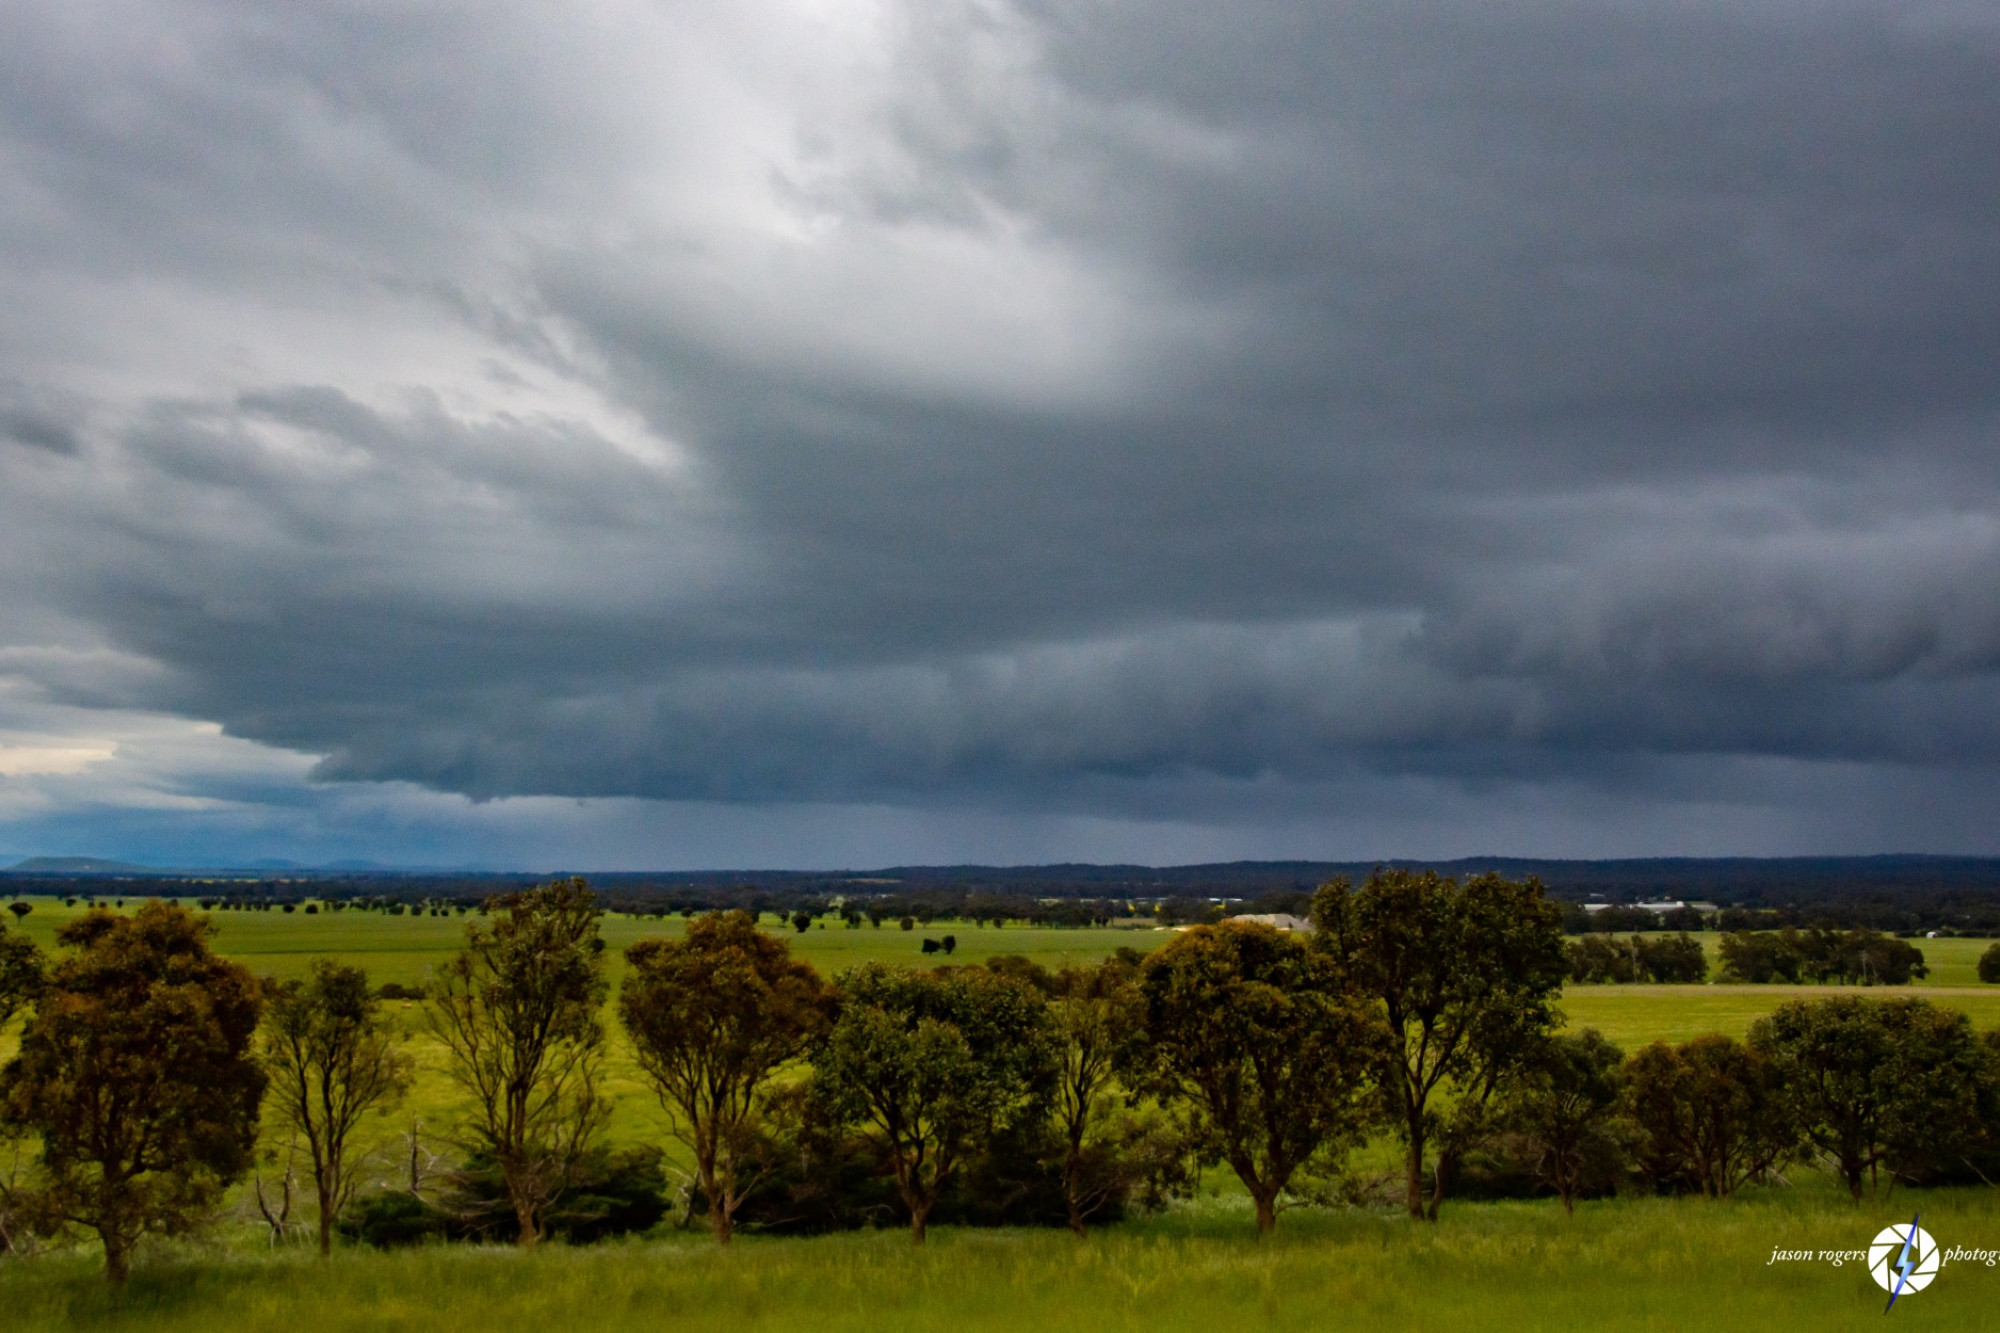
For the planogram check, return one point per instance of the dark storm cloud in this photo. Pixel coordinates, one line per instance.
(1145, 411)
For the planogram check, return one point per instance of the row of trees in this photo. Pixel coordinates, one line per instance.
(1669, 959)
(1418, 1004)
(1817, 955)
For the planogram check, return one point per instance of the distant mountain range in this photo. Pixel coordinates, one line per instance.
(1736, 878)
(93, 865)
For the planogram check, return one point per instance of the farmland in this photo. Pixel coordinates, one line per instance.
(1620, 1263)
(404, 949)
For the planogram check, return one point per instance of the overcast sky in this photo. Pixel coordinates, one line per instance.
(850, 432)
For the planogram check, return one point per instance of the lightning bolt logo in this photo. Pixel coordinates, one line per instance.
(1905, 1261)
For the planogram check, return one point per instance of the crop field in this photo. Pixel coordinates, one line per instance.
(1626, 1263)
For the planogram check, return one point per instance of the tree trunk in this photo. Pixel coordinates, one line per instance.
(1073, 1185)
(1441, 1171)
(326, 1213)
(1267, 1212)
(116, 1265)
(1413, 1130)
(719, 1219)
(531, 1231)
(919, 1217)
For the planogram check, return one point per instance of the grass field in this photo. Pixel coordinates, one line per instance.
(1627, 1263)
(1617, 1265)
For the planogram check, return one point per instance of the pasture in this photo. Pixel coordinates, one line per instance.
(1624, 1264)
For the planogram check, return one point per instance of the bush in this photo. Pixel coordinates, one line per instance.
(1989, 963)
(391, 1219)
(396, 990)
(615, 1194)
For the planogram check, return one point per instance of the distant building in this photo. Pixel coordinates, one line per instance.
(1657, 908)
(1282, 920)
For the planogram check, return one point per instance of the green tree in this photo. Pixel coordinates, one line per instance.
(1989, 963)
(713, 1017)
(136, 1071)
(1564, 1100)
(332, 1060)
(1671, 960)
(1874, 1082)
(1098, 1018)
(1710, 1113)
(1466, 976)
(1253, 1030)
(932, 1064)
(20, 974)
(517, 1013)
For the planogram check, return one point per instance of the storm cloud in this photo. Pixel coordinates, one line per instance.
(1040, 427)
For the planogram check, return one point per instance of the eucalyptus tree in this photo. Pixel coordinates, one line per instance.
(931, 1066)
(1464, 977)
(1255, 1032)
(137, 1074)
(332, 1060)
(517, 1013)
(713, 1017)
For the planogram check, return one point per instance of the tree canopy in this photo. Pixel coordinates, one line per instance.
(1465, 976)
(1254, 1030)
(332, 1060)
(712, 1017)
(136, 1071)
(931, 1064)
(517, 1012)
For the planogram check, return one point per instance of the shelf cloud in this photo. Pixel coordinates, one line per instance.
(998, 429)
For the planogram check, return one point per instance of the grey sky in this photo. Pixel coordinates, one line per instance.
(843, 433)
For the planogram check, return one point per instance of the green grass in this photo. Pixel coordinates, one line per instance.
(1620, 1264)
(405, 948)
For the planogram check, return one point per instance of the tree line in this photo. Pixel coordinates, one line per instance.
(1419, 1006)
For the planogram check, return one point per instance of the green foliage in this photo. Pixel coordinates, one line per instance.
(712, 1018)
(1711, 1114)
(1466, 977)
(1989, 964)
(1878, 1082)
(611, 1194)
(136, 1072)
(21, 967)
(932, 1065)
(1563, 1103)
(332, 1059)
(1667, 959)
(517, 1013)
(1818, 956)
(1254, 1032)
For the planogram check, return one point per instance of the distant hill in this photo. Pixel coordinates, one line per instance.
(75, 865)
(1745, 881)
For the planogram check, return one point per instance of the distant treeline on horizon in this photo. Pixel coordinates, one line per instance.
(1896, 893)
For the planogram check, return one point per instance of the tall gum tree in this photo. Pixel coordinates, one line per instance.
(1255, 1031)
(712, 1017)
(1465, 977)
(136, 1071)
(332, 1060)
(931, 1065)
(517, 1012)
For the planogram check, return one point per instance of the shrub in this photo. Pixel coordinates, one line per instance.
(1710, 1114)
